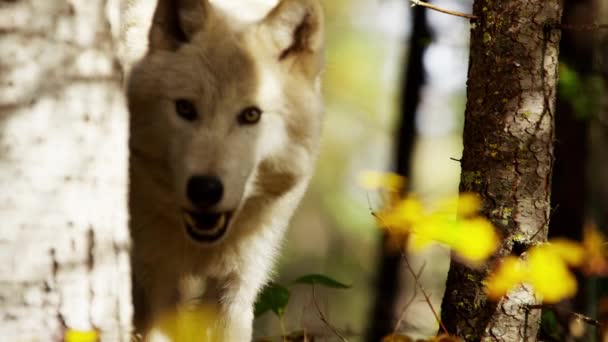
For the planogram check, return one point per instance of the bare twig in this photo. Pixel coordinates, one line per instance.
(577, 315)
(443, 10)
(426, 296)
(409, 302)
(323, 318)
(416, 276)
(582, 27)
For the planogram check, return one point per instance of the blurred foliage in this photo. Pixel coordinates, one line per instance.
(197, 323)
(274, 297)
(319, 279)
(72, 335)
(583, 92)
(403, 338)
(333, 232)
(556, 283)
(455, 222)
(551, 326)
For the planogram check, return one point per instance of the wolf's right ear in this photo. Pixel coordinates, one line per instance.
(176, 22)
(296, 29)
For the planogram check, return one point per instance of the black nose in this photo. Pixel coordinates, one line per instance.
(204, 191)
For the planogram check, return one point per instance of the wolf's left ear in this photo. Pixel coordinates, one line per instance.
(176, 22)
(296, 29)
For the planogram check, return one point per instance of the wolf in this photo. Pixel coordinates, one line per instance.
(225, 120)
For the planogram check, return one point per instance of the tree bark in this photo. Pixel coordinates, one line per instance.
(507, 157)
(63, 172)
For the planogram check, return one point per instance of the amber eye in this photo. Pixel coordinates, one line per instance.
(185, 109)
(250, 115)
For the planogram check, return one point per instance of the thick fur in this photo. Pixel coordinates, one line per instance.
(196, 53)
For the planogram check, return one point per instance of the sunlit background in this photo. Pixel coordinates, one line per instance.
(333, 232)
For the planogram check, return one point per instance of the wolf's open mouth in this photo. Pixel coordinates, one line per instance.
(206, 227)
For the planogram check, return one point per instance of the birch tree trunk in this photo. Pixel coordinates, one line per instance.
(507, 157)
(64, 261)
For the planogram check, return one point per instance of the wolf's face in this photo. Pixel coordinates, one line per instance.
(211, 103)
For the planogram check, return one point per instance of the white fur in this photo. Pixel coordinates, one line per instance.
(265, 168)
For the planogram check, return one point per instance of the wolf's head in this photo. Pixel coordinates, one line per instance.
(215, 107)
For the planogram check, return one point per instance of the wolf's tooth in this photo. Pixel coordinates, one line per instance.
(219, 224)
(188, 219)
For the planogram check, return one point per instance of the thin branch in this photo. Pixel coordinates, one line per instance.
(583, 27)
(415, 276)
(413, 273)
(426, 296)
(443, 10)
(577, 315)
(409, 302)
(323, 319)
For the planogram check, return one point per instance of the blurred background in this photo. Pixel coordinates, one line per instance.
(395, 97)
(333, 232)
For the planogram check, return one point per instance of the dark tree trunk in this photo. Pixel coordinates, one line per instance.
(388, 287)
(507, 157)
(568, 190)
(571, 129)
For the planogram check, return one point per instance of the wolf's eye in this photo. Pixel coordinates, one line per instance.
(185, 109)
(250, 115)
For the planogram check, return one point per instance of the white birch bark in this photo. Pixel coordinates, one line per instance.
(63, 172)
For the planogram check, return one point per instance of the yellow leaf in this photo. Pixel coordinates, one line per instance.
(545, 269)
(189, 324)
(595, 248)
(374, 180)
(465, 205)
(476, 241)
(471, 237)
(468, 204)
(396, 338)
(549, 274)
(403, 215)
(569, 251)
(593, 241)
(418, 242)
(81, 336)
(510, 273)
(445, 338)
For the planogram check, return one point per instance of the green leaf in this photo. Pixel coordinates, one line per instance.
(319, 279)
(551, 326)
(273, 297)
